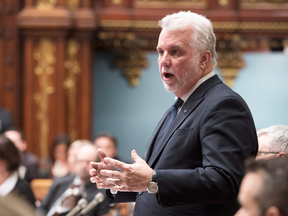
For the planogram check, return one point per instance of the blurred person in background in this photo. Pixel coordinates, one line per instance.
(60, 200)
(273, 142)
(59, 156)
(29, 168)
(72, 153)
(108, 143)
(264, 190)
(10, 182)
(5, 120)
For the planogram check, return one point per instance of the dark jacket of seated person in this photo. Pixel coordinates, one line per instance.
(65, 192)
(10, 183)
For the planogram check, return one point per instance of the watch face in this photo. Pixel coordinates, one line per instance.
(152, 187)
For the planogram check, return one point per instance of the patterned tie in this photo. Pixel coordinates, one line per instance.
(169, 119)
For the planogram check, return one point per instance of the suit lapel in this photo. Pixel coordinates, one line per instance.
(154, 136)
(181, 116)
(193, 101)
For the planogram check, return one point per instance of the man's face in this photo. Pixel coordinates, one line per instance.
(15, 137)
(107, 146)
(263, 141)
(178, 63)
(84, 156)
(249, 189)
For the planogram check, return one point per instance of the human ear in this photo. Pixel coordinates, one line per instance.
(272, 211)
(205, 58)
(282, 154)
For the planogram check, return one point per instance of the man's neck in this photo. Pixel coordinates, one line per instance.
(4, 176)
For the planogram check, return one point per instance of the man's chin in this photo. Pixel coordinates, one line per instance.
(171, 89)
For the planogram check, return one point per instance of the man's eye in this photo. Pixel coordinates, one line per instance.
(160, 52)
(175, 52)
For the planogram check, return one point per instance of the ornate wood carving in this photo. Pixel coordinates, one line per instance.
(44, 54)
(70, 84)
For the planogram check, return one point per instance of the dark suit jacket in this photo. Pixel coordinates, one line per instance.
(23, 190)
(31, 163)
(5, 120)
(60, 185)
(201, 162)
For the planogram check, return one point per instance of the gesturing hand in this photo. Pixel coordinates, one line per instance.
(96, 167)
(133, 177)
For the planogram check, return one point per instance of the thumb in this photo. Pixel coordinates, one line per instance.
(135, 156)
(101, 153)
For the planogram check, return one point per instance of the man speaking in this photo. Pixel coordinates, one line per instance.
(195, 159)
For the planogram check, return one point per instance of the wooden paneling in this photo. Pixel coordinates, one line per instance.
(10, 74)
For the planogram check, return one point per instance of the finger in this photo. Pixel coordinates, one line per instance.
(94, 165)
(93, 180)
(92, 172)
(101, 154)
(115, 163)
(111, 174)
(135, 156)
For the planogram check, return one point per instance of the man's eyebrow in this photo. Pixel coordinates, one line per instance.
(171, 47)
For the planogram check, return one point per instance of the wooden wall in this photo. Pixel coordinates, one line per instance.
(46, 47)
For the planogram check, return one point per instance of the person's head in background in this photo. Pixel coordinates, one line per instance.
(59, 155)
(264, 188)
(273, 142)
(10, 158)
(60, 147)
(16, 135)
(72, 152)
(84, 156)
(108, 143)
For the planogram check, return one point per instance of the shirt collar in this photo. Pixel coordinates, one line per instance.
(9, 184)
(200, 81)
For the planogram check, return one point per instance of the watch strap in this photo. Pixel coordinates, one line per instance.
(154, 177)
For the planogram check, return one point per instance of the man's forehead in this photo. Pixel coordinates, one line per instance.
(263, 141)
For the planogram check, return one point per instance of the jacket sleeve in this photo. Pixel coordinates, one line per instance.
(121, 197)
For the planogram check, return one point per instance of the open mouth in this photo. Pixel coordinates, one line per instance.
(167, 75)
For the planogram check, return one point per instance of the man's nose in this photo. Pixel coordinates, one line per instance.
(165, 60)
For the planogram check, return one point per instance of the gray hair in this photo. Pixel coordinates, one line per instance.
(278, 137)
(203, 38)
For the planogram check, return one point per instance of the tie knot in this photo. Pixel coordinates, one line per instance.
(178, 103)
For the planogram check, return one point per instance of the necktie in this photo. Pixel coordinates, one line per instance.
(169, 119)
(67, 201)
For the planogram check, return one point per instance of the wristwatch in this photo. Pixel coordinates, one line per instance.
(152, 186)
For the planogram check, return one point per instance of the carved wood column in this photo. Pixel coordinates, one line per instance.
(57, 72)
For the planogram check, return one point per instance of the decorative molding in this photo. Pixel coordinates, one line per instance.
(264, 4)
(73, 69)
(129, 48)
(230, 58)
(223, 2)
(72, 4)
(244, 27)
(253, 27)
(129, 24)
(45, 4)
(44, 55)
(84, 18)
(181, 4)
(57, 18)
(132, 61)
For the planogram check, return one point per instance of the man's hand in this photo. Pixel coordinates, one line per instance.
(133, 177)
(96, 167)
